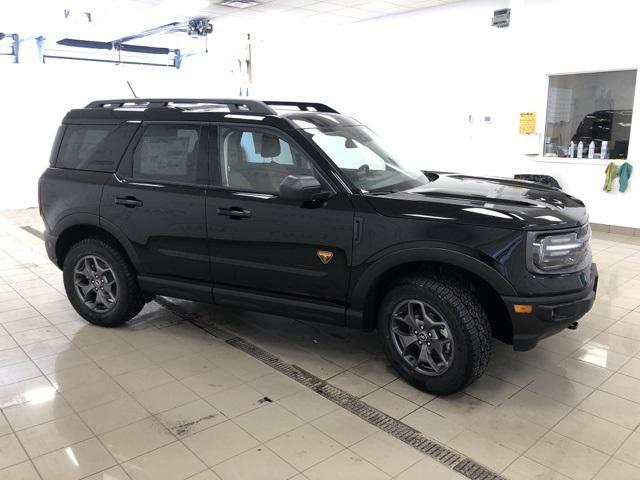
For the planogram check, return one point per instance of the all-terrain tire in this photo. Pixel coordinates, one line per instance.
(465, 319)
(129, 300)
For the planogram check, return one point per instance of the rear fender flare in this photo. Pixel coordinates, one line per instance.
(87, 219)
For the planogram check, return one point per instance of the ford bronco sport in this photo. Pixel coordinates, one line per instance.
(294, 209)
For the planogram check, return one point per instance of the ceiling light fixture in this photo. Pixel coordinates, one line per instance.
(184, 4)
(239, 3)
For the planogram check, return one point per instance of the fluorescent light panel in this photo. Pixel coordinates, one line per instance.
(239, 3)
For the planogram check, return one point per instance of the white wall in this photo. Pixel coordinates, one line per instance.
(416, 78)
(34, 98)
(413, 78)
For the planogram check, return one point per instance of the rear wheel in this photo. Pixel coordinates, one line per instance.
(435, 333)
(101, 283)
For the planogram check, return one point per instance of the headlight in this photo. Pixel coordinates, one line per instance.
(560, 252)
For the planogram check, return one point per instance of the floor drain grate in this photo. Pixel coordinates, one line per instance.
(194, 318)
(412, 437)
(177, 310)
(461, 464)
(33, 231)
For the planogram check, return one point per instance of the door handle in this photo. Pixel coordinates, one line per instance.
(129, 202)
(234, 212)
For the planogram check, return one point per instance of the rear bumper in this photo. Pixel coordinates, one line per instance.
(50, 246)
(551, 314)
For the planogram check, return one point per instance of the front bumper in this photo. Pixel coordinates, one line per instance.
(550, 314)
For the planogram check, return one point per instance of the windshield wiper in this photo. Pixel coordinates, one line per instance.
(382, 192)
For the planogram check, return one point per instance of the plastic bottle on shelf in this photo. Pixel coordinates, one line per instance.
(580, 149)
(572, 149)
(592, 149)
(604, 153)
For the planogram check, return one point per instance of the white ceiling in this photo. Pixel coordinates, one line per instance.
(332, 12)
(111, 19)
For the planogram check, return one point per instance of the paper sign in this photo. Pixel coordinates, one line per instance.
(527, 123)
(165, 156)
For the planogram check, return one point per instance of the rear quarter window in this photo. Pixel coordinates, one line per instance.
(56, 146)
(94, 147)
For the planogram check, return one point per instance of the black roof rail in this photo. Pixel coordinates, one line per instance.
(303, 106)
(234, 105)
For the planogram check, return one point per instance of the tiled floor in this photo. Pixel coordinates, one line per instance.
(161, 399)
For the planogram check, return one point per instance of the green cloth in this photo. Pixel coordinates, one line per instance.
(610, 175)
(624, 172)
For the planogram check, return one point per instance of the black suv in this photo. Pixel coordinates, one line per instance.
(291, 208)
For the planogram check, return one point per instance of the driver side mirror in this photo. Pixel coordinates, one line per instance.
(301, 188)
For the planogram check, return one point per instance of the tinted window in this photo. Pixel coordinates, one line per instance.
(56, 145)
(94, 147)
(258, 161)
(171, 153)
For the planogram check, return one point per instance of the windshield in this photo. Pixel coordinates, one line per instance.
(358, 154)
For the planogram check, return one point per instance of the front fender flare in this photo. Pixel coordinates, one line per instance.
(456, 256)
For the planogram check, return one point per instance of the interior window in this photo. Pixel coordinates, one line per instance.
(256, 160)
(169, 152)
(589, 115)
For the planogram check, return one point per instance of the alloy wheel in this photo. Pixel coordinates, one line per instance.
(95, 283)
(422, 337)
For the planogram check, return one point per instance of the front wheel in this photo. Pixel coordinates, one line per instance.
(101, 283)
(435, 333)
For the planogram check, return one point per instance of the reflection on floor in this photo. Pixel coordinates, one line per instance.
(161, 399)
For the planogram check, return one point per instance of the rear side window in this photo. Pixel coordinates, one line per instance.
(170, 153)
(56, 146)
(94, 147)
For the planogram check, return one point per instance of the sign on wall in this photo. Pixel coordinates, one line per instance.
(527, 123)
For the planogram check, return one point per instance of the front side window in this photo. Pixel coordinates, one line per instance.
(170, 153)
(251, 144)
(589, 115)
(360, 156)
(258, 160)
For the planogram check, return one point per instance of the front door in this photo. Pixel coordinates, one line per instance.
(261, 245)
(158, 201)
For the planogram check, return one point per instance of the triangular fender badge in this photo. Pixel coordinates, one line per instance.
(325, 256)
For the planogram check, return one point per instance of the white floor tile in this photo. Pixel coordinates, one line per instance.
(566, 409)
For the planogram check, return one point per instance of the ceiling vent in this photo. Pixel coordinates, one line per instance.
(501, 18)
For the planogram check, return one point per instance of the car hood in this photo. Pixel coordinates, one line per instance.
(488, 201)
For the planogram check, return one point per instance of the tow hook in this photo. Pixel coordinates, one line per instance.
(573, 326)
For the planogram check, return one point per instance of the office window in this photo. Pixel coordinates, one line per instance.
(589, 115)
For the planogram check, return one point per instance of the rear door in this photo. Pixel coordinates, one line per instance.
(86, 158)
(157, 200)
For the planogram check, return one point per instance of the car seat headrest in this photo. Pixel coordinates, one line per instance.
(270, 146)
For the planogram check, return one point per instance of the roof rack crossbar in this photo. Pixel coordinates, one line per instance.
(234, 105)
(303, 106)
